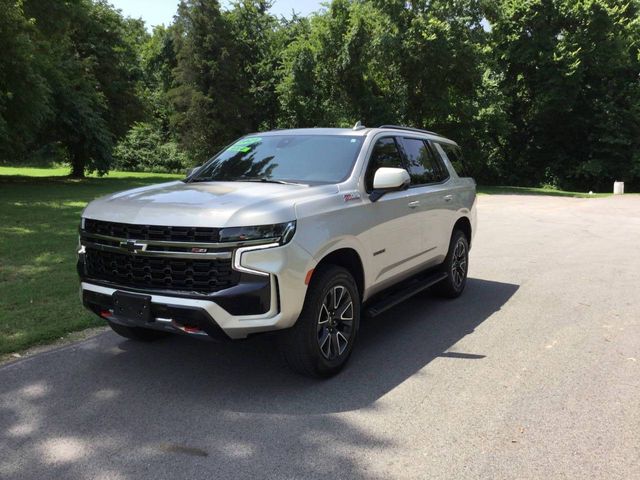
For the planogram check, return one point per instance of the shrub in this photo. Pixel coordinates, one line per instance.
(143, 149)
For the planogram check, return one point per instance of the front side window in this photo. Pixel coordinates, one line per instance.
(423, 166)
(385, 154)
(308, 159)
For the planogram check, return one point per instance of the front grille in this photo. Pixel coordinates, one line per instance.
(166, 273)
(152, 232)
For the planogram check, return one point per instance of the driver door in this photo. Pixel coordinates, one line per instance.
(394, 236)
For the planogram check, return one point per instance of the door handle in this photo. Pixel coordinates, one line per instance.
(414, 204)
(448, 198)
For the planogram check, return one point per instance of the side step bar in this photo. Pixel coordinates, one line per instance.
(413, 287)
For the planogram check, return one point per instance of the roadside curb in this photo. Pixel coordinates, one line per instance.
(70, 340)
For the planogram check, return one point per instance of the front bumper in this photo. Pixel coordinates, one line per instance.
(228, 313)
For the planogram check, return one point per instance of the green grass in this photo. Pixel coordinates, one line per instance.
(39, 215)
(64, 172)
(487, 190)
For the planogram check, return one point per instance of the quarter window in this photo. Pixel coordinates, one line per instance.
(454, 154)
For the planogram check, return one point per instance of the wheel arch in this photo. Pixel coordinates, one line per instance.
(349, 259)
(463, 224)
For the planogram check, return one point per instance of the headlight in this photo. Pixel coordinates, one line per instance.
(280, 232)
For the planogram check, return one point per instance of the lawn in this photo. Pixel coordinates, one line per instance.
(536, 191)
(39, 214)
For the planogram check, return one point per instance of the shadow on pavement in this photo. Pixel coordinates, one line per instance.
(112, 404)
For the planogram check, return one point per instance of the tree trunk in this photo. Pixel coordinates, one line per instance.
(77, 166)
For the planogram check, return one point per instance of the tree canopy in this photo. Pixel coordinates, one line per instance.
(537, 92)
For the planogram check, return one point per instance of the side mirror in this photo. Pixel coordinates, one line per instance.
(389, 180)
(192, 171)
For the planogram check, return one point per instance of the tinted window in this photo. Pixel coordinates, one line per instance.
(454, 154)
(385, 154)
(302, 158)
(423, 166)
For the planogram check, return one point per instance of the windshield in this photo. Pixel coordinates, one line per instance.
(284, 158)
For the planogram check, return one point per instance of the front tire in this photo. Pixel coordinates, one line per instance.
(137, 333)
(321, 341)
(456, 265)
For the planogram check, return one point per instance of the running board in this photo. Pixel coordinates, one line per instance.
(393, 299)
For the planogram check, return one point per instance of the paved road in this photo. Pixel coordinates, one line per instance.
(533, 373)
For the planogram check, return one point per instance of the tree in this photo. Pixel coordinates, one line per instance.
(92, 73)
(570, 75)
(211, 92)
(418, 63)
(158, 60)
(25, 97)
(443, 64)
(338, 70)
(258, 39)
(536, 91)
(298, 97)
(145, 149)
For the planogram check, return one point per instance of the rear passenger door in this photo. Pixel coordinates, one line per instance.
(429, 193)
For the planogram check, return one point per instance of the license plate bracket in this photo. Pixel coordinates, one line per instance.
(130, 306)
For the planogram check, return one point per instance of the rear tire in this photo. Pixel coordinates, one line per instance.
(321, 341)
(137, 333)
(456, 265)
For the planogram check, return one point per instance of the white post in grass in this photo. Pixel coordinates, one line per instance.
(618, 188)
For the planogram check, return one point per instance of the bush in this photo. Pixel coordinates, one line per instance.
(143, 149)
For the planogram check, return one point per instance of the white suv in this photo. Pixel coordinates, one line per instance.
(302, 231)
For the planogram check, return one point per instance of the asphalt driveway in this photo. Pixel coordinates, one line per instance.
(533, 373)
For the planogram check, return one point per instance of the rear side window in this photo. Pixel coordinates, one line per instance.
(385, 154)
(424, 168)
(454, 154)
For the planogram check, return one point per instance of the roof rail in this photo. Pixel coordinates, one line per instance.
(410, 129)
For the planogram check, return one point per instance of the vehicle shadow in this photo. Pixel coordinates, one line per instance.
(179, 408)
(251, 377)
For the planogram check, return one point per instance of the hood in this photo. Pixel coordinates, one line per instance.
(206, 204)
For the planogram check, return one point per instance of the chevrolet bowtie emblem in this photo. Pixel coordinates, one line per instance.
(133, 247)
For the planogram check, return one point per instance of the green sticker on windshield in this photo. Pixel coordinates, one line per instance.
(248, 141)
(244, 144)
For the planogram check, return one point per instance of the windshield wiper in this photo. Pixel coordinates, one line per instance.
(249, 179)
(266, 180)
